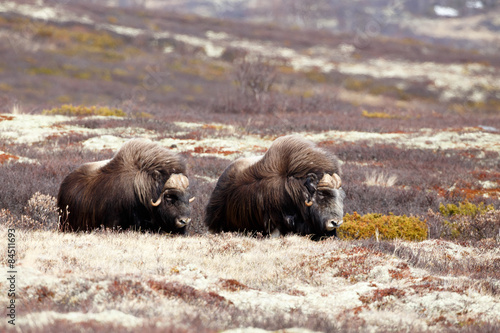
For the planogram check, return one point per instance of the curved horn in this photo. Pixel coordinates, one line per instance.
(157, 203)
(337, 180)
(326, 182)
(192, 199)
(309, 203)
(329, 182)
(177, 181)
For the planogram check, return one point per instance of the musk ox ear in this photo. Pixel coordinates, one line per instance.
(156, 175)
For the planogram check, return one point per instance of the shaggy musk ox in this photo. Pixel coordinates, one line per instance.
(142, 187)
(294, 188)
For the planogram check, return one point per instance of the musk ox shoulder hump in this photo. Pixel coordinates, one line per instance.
(245, 162)
(293, 155)
(94, 166)
(145, 155)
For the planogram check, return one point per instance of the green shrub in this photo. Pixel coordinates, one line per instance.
(382, 115)
(464, 222)
(464, 208)
(357, 84)
(80, 110)
(389, 226)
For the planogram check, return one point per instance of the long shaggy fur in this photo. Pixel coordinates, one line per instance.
(117, 193)
(261, 195)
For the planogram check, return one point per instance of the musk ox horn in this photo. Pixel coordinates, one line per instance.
(329, 182)
(309, 203)
(338, 180)
(157, 202)
(177, 181)
(192, 199)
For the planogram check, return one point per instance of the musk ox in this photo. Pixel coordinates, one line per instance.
(143, 187)
(294, 188)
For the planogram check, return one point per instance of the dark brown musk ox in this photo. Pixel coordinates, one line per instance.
(294, 188)
(143, 187)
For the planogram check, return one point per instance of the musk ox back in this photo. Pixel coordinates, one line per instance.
(294, 188)
(142, 187)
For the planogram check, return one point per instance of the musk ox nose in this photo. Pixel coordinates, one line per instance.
(332, 224)
(182, 221)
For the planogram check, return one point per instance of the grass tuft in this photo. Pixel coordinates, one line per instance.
(80, 110)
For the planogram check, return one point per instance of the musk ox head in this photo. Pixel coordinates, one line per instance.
(324, 207)
(143, 187)
(294, 188)
(171, 209)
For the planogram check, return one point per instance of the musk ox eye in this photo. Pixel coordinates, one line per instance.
(326, 194)
(170, 198)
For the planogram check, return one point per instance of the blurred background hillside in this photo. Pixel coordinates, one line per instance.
(403, 57)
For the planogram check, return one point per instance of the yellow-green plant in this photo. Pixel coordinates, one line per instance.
(383, 115)
(143, 115)
(381, 226)
(357, 84)
(464, 208)
(466, 221)
(80, 110)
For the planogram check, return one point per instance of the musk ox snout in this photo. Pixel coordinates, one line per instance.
(332, 224)
(182, 222)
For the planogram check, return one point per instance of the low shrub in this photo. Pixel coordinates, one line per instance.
(41, 214)
(18, 222)
(464, 208)
(382, 227)
(42, 208)
(80, 110)
(382, 115)
(464, 222)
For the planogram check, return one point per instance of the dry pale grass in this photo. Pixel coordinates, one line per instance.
(129, 281)
(380, 179)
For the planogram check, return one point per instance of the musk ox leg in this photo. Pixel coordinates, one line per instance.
(290, 221)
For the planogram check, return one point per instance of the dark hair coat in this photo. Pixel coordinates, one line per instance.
(126, 191)
(277, 192)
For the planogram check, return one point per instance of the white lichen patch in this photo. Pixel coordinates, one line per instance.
(103, 142)
(466, 138)
(31, 128)
(456, 80)
(121, 30)
(43, 12)
(228, 142)
(113, 317)
(6, 157)
(487, 184)
(211, 49)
